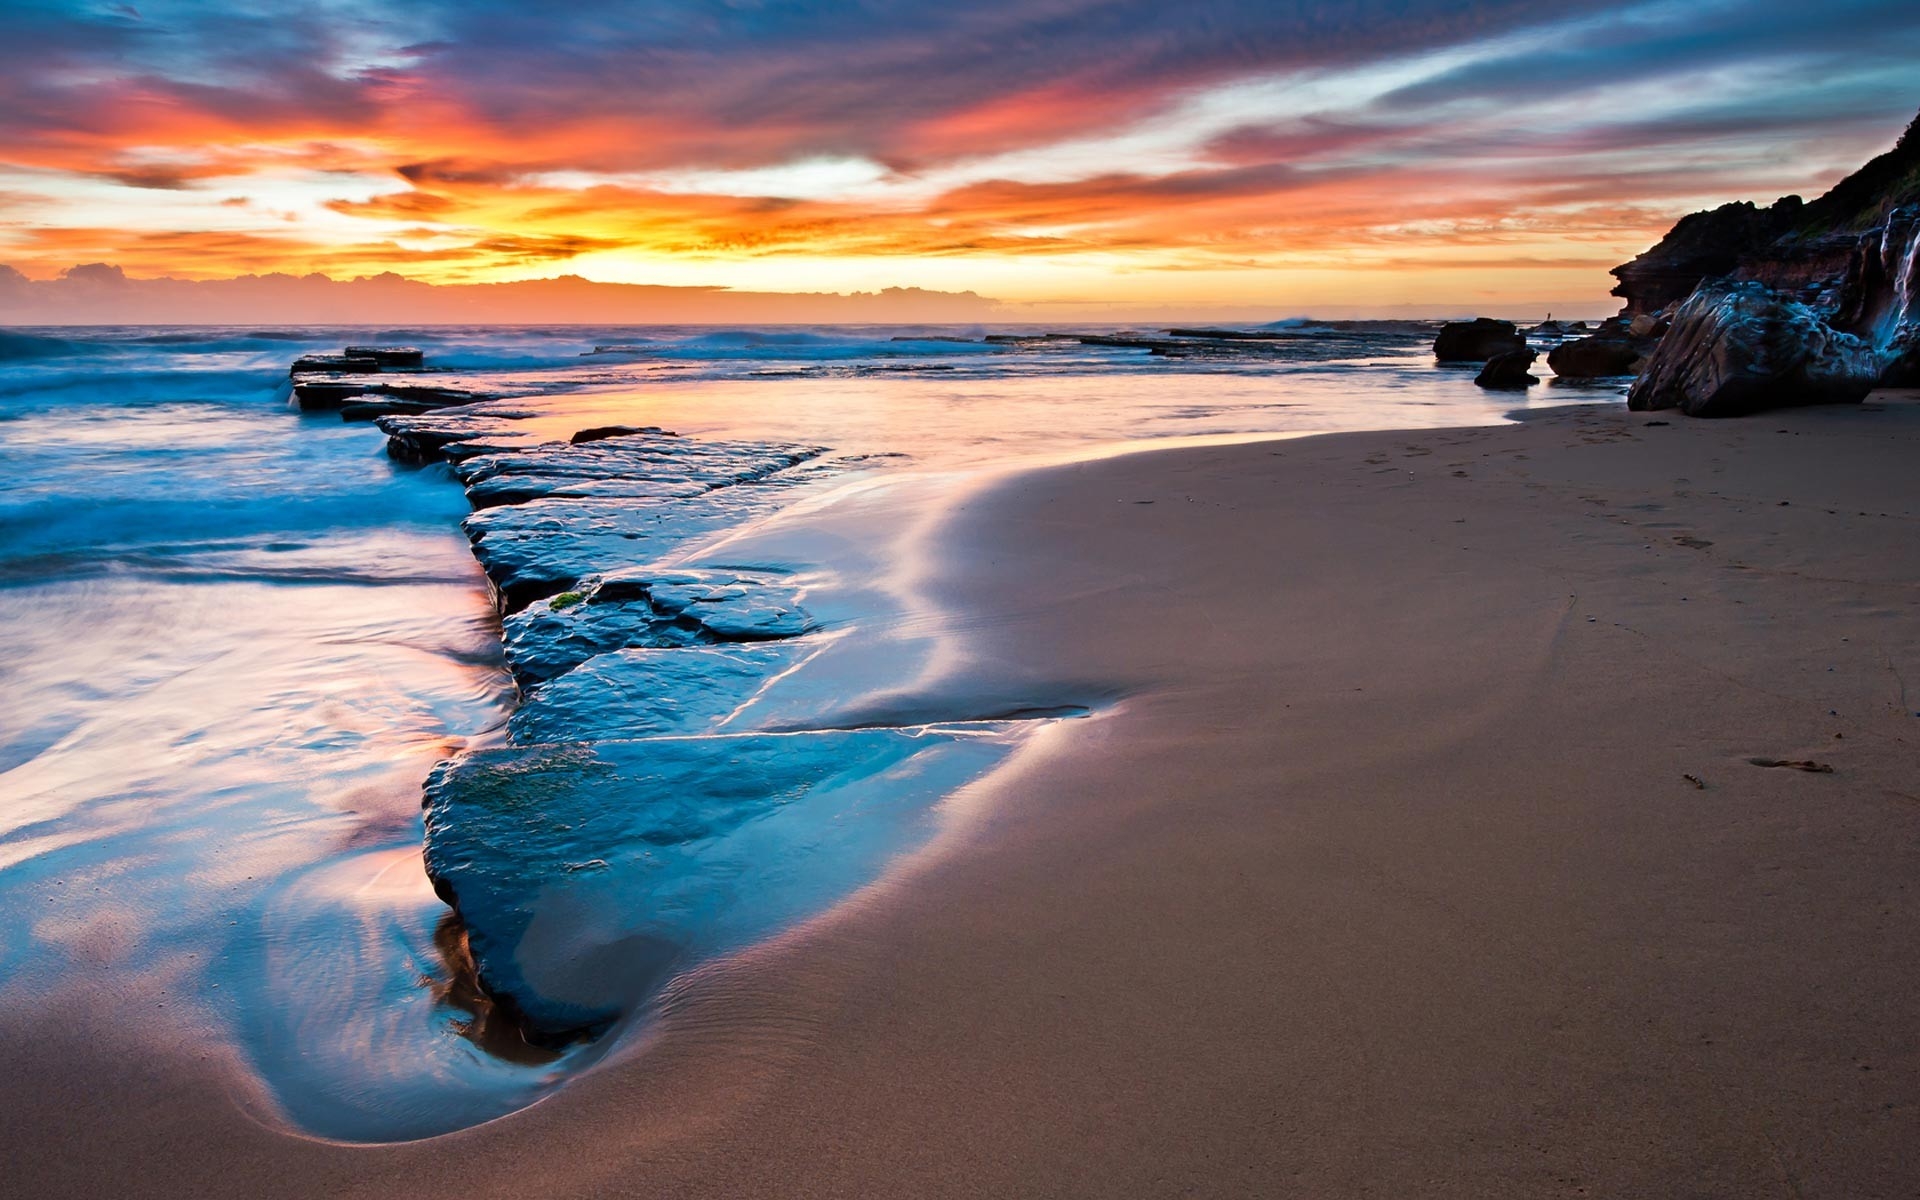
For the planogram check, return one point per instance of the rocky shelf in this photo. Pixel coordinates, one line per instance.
(639, 815)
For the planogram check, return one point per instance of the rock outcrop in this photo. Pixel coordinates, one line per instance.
(1881, 300)
(1703, 245)
(1739, 347)
(1847, 256)
(1508, 371)
(1613, 350)
(1478, 340)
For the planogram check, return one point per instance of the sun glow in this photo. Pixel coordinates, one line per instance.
(1502, 153)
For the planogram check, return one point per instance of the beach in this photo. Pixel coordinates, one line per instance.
(1414, 846)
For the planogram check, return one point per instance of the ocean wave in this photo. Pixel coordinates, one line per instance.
(22, 347)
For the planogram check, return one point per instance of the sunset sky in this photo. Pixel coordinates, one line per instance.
(1035, 151)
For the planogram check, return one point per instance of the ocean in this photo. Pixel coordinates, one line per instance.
(235, 639)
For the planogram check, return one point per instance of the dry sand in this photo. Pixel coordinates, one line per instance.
(1379, 874)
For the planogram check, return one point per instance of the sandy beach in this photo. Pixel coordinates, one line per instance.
(1417, 847)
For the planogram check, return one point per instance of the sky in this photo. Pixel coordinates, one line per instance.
(1053, 155)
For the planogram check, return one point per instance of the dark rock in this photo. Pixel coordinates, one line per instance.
(330, 394)
(1702, 245)
(1614, 350)
(1881, 301)
(332, 364)
(358, 360)
(1651, 325)
(1739, 347)
(1477, 340)
(388, 356)
(1813, 251)
(431, 437)
(602, 432)
(1233, 335)
(367, 410)
(1508, 371)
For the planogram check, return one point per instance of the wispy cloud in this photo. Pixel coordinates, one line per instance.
(890, 140)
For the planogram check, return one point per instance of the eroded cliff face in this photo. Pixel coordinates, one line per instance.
(1807, 250)
(1848, 256)
(1880, 299)
(1703, 245)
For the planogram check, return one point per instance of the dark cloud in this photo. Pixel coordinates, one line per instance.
(694, 82)
(469, 108)
(1823, 43)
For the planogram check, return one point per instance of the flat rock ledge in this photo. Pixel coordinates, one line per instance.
(641, 814)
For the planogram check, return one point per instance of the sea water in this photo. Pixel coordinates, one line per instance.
(234, 640)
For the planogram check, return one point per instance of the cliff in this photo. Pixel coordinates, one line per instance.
(1813, 252)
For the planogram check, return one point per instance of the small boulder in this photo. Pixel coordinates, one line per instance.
(1740, 347)
(600, 433)
(1649, 325)
(1612, 351)
(1477, 340)
(1508, 372)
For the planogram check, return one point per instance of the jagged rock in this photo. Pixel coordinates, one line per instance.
(654, 852)
(1478, 340)
(1702, 245)
(1881, 301)
(1738, 347)
(1814, 251)
(1508, 371)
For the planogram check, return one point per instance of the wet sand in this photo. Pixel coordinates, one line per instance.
(1379, 872)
